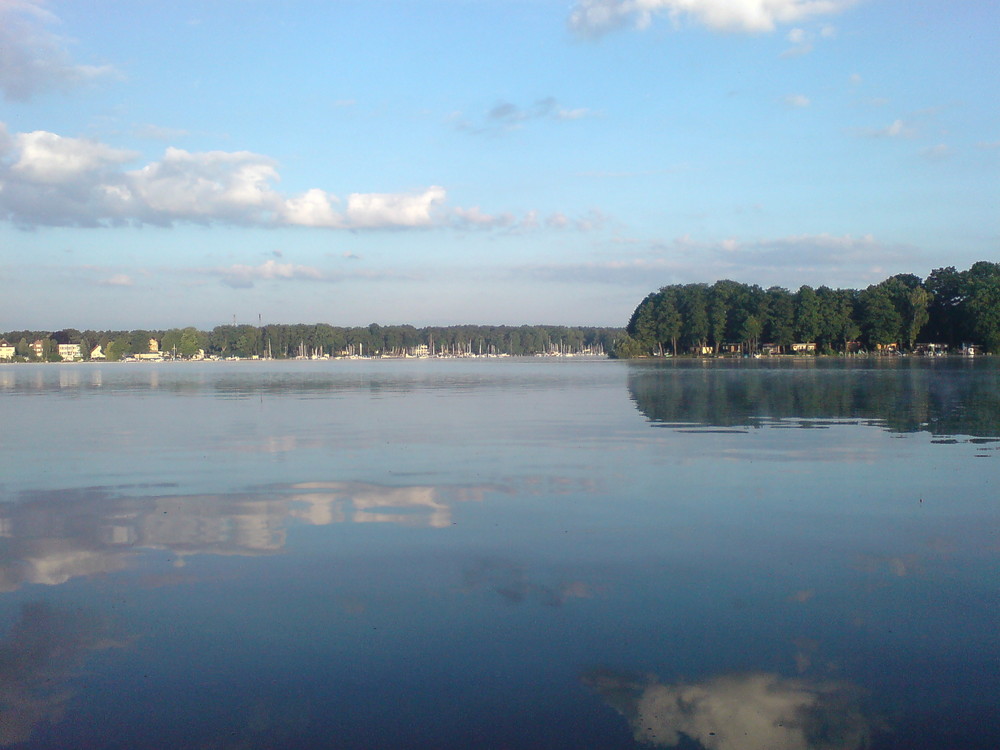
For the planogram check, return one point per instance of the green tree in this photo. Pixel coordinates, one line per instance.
(627, 347)
(946, 320)
(808, 315)
(718, 312)
(780, 324)
(669, 323)
(916, 314)
(751, 332)
(880, 321)
(694, 309)
(983, 303)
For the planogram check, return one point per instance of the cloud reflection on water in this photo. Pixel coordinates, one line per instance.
(754, 711)
(50, 538)
(43, 650)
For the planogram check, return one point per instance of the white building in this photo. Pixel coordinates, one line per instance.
(70, 352)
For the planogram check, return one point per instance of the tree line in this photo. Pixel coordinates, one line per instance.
(949, 307)
(282, 341)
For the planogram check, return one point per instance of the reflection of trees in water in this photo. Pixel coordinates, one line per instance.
(45, 647)
(757, 711)
(949, 398)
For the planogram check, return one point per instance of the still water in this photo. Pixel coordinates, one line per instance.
(501, 554)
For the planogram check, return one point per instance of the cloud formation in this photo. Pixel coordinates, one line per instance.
(241, 276)
(33, 60)
(755, 711)
(595, 17)
(51, 180)
(118, 279)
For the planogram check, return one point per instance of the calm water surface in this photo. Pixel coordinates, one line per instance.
(500, 554)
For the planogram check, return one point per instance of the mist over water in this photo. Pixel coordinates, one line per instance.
(516, 553)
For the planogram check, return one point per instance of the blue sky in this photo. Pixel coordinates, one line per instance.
(481, 161)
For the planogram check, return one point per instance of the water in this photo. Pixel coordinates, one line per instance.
(501, 554)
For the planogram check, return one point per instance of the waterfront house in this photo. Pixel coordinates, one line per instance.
(807, 347)
(6, 350)
(70, 352)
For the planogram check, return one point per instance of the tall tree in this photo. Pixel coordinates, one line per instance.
(946, 287)
(880, 321)
(780, 322)
(694, 308)
(669, 322)
(808, 315)
(752, 329)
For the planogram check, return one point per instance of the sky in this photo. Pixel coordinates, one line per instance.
(439, 162)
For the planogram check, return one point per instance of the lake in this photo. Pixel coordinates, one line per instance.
(516, 553)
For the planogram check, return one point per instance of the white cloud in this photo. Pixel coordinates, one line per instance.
(797, 36)
(371, 210)
(593, 17)
(317, 208)
(894, 130)
(797, 100)
(242, 276)
(50, 180)
(213, 185)
(119, 279)
(51, 159)
(33, 59)
(476, 218)
(314, 208)
(801, 41)
(739, 712)
(557, 221)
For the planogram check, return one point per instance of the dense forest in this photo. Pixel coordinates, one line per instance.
(949, 307)
(282, 341)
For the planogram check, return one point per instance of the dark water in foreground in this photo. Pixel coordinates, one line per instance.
(501, 554)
